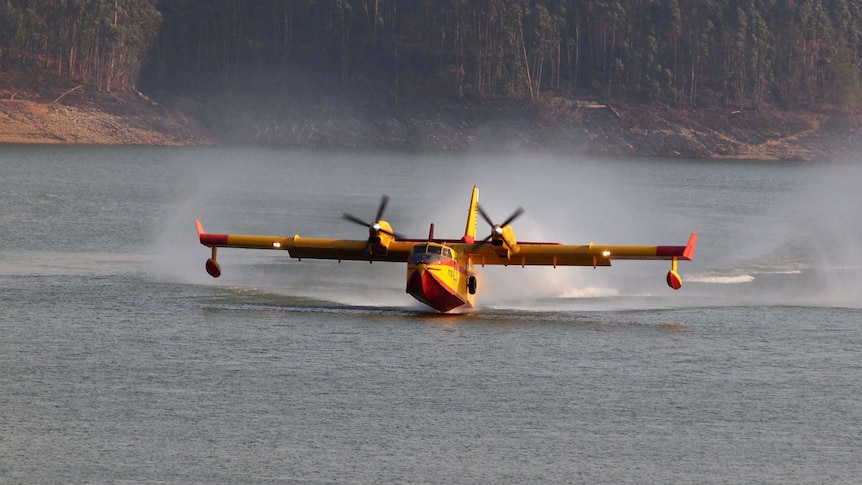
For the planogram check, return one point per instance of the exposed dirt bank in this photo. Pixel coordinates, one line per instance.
(553, 124)
(82, 119)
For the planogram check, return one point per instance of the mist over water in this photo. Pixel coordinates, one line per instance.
(768, 233)
(776, 234)
(790, 239)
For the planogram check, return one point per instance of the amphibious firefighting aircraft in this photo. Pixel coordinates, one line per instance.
(441, 273)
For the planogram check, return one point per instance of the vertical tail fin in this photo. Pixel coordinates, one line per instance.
(470, 230)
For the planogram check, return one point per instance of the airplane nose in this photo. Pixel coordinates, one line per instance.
(422, 259)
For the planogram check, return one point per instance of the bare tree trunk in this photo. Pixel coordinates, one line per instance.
(345, 48)
(526, 60)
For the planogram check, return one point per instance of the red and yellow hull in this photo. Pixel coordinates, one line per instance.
(441, 284)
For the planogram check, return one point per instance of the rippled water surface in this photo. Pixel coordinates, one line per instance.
(121, 360)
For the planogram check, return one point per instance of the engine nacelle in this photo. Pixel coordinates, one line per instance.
(380, 235)
(505, 242)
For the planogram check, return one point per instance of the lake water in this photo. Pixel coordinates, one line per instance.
(121, 360)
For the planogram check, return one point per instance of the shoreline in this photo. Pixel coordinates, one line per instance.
(551, 124)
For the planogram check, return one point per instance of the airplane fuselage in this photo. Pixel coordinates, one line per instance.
(439, 278)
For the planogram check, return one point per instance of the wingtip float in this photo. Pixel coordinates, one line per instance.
(441, 273)
(673, 278)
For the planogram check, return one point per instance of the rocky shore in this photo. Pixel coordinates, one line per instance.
(95, 120)
(551, 124)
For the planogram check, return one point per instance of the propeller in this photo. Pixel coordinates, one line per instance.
(373, 226)
(497, 229)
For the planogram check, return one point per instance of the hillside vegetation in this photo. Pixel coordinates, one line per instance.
(671, 77)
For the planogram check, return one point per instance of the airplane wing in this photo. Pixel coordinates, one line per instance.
(553, 254)
(499, 248)
(311, 248)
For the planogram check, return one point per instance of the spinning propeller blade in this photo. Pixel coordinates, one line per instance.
(515, 215)
(356, 220)
(497, 229)
(383, 201)
(373, 226)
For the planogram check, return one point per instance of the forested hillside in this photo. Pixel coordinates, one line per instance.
(677, 52)
(767, 79)
(102, 42)
(684, 52)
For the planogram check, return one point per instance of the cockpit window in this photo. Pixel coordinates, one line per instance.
(432, 249)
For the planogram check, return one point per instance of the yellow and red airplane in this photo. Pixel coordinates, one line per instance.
(441, 273)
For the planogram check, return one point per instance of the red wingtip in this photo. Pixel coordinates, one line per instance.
(688, 252)
(210, 239)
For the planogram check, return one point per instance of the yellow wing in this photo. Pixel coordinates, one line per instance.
(311, 248)
(552, 254)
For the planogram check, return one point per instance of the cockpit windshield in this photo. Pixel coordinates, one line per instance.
(432, 249)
